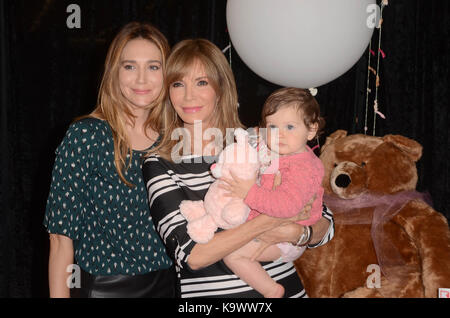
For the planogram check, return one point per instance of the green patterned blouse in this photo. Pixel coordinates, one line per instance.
(110, 223)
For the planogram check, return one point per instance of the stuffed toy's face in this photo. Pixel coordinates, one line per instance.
(239, 158)
(359, 164)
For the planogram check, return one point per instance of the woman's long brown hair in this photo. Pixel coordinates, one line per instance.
(184, 56)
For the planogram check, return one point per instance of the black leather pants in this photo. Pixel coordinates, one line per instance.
(159, 284)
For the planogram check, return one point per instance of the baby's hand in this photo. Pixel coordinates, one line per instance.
(276, 180)
(305, 213)
(237, 187)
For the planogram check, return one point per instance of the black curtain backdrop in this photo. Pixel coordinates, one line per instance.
(50, 74)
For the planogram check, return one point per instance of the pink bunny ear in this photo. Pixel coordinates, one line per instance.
(216, 171)
(262, 146)
(241, 136)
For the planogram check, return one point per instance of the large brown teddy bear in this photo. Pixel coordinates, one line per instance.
(388, 242)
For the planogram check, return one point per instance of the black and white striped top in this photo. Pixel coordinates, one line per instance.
(170, 183)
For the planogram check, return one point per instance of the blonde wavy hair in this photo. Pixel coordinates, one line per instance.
(184, 56)
(112, 106)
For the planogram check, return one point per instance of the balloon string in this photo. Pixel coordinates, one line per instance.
(368, 89)
(229, 54)
(229, 49)
(376, 111)
(226, 49)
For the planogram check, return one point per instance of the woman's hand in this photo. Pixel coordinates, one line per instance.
(284, 233)
(236, 186)
(288, 231)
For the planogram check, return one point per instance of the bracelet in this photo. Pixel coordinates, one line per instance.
(306, 237)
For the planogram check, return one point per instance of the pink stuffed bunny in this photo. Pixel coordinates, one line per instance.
(218, 210)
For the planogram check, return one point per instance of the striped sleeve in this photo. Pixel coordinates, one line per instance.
(164, 197)
(327, 214)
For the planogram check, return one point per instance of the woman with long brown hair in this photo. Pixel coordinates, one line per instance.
(202, 99)
(97, 212)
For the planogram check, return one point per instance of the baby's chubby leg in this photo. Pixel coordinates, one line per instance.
(252, 272)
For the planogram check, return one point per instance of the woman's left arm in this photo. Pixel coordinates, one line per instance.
(322, 231)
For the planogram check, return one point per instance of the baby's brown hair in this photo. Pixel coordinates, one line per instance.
(299, 98)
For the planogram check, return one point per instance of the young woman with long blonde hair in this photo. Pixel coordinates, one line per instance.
(97, 212)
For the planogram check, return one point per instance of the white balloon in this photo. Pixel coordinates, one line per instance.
(301, 43)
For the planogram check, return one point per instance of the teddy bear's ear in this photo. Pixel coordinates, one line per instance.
(410, 147)
(332, 138)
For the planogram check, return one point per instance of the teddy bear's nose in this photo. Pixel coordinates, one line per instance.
(342, 181)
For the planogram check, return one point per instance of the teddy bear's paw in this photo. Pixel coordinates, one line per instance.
(192, 210)
(235, 213)
(202, 230)
(363, 292)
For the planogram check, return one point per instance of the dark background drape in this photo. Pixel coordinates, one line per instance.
(50, 74)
